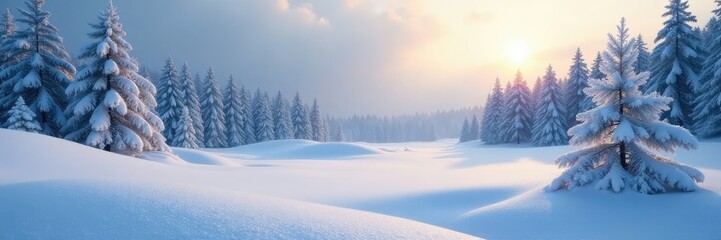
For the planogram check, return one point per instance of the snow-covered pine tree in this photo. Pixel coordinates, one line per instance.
(620, 136)
(643, 63)
(317, 125)
(248, 118)
(339, 135)
(465, 131)
(39, 70)
(7, 29)
(493, 115)
(707, 111)
(192, 102)
(170, 98)
(678, 58)
(281, 118)
(534, 94)
(474, 130)
(233, 115)
(549, 126)
(111, 103)
(518, 119)
(263, 118)
(596, 68)
(576, 100)
(185, 132)
(21, 118)
(299, 116)
(212, 111)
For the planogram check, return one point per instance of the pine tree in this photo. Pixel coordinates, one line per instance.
(493, 115)
(339, 135)
(213, 115)
(619, 136)
(677, 62)
(465, 131)
(192, 102)
(596, 68)
(643, 63)
(576, 100)
(170, 98)
(549, 127)
(185, 132)
(707, 113)
(518, 117)
(7, 29)
(281, 118)
(234, 115)
(301, 123)
(475, 129)
(21, 118)
(263, 118)
(534, 94)
(39, 70)
(248, 118)
(317, 125)
(111, 106)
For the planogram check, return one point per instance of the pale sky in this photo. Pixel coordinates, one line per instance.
(382, 57)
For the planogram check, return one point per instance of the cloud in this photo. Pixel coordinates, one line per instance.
(304, 11)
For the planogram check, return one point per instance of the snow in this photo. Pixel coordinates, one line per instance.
(288, 189)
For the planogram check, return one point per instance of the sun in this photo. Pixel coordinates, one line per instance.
(518, 52)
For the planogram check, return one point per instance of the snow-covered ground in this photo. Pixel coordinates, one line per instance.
(290, 189)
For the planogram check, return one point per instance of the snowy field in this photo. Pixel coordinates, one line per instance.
(294, 189)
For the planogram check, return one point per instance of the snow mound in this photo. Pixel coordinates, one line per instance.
(113, 210)
(586, 213)
(301, 149)
(203, 157)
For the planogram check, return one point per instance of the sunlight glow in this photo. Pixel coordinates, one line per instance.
(518, 52)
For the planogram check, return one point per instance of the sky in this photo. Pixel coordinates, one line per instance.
(384, 57)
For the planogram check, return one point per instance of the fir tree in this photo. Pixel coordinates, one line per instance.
(192, 102)
(112, 103)
(549, 127)
(213, 115)
(465, 131)
(474, 130)
(643, 63)
(170, 98)
(7, 29)
(21, 118)
(619, 136)
(707, 112)
(248, 118)
(301, 123)
(263, 118)
(281, 118)
(517, 121)
(185, 132)
(596, 68)
(493, 114)
(39, 70)
(234, 115)
(677, 62)
(576, 100)
(318, 129)
(339, 135)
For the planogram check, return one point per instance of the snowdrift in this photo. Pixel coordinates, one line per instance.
(300, 149)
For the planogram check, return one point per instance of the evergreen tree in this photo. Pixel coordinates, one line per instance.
(465, 131)
(493, 115)
(576, 100)
(170, 98)
(281, 118)
(596, 68)
(535, 92)
(248, 118)
(339, 135)
(643, 63)
(301, 123)
(549, 127)
(475, 129)
(707, 113)
(111, 106)
(213, 115)
(263, 118)
(518, 120)
(619, 136)
(7, 29)
(185, 132)
(318, 129)
(234, 115)
(39, 70)
(21, 118)
(192, 102)
(677, 62)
